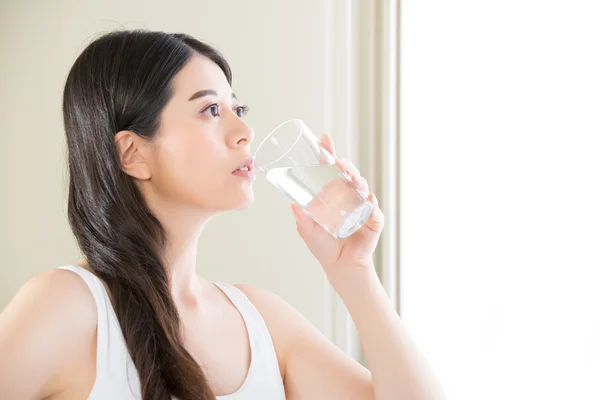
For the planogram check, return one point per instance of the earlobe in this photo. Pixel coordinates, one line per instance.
(131, 158)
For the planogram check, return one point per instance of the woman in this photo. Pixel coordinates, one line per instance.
(156, 142)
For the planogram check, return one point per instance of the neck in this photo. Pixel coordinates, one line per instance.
(180, 255)
(183, 227)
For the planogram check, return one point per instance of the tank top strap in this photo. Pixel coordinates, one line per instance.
(102, 306)
(112, 355)
(264, 377)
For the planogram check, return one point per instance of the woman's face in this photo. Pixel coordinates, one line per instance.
(201, 141)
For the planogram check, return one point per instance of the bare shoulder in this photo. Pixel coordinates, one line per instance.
(47, 326)
(264, 299)
(275, 311)
(55, 293)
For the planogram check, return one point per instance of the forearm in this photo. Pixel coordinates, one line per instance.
(399, 371)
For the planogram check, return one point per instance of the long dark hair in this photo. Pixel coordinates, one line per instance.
(122, 81)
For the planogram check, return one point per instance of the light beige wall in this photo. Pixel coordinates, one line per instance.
(278, 55)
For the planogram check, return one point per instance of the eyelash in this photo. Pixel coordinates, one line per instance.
(244, 109)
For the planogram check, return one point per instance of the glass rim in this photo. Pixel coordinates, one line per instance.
(273, 132)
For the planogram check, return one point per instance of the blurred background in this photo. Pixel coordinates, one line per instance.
(476, 123)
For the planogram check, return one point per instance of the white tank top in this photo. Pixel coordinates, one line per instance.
(117, 377)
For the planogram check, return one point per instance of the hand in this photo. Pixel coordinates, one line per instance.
(338, 255)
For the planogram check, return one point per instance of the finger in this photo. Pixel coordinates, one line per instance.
(348, 167)
(376, 220)
(356, 180)
(327, 143)
(304, 223)
(361, 185)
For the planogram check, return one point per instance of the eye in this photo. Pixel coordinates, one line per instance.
(213, 109)
(241, 111)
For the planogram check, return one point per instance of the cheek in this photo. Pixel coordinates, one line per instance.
(190, 169)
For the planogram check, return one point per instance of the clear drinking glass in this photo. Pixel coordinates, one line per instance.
(292, 159)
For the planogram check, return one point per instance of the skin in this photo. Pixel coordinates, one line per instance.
(48, 331)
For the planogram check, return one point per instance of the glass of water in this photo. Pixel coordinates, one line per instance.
(292, 158)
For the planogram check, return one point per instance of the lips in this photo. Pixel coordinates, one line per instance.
(246, 169)
(247, 165)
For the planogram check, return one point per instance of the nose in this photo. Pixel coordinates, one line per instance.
(241, 134)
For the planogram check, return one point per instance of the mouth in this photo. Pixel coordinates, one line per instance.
(245, 169)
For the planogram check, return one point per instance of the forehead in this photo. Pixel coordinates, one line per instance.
(200, 73)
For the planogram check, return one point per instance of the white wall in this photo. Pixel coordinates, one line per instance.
(500, 195)
(279, 54)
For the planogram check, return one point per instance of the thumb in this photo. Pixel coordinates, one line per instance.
(376, 220)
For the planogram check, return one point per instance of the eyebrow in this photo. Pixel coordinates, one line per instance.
(207, 92)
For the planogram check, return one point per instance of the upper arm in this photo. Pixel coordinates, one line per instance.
(47, 325)
(314, 368)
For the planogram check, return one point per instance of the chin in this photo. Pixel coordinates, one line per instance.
(244, 206)
(245, 201)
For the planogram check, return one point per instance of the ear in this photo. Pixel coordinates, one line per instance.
(130, 150)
